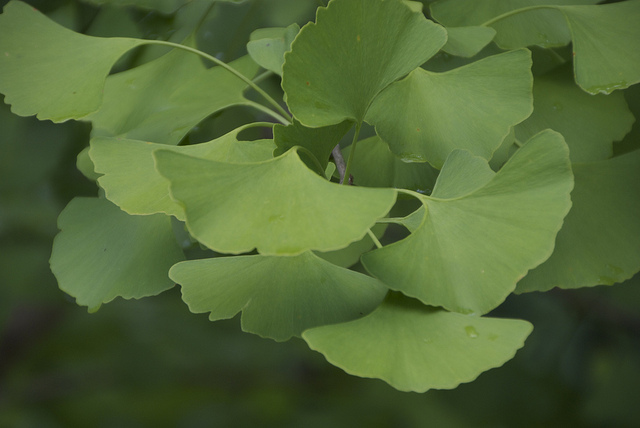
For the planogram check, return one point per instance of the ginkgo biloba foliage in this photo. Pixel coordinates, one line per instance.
(490, 147)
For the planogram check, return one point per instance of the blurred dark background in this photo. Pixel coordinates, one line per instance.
(150, 363)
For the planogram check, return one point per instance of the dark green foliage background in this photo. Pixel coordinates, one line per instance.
(152, 363)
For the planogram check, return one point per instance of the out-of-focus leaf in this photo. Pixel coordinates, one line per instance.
(268, 46)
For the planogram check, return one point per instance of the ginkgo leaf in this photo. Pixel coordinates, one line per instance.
(355, 49)
(350, 255)
(469, 251)
(267, 46)
(416, 348)
(131, 181)
(319, 141)
(522, 22)
(279, 296)
(600, 240)
(589, 123)
(471, 107)
(49, 70)
(162, 6)
(278, 206)
(376, 166)
(162, 100)
(102, 253)
(467, 41)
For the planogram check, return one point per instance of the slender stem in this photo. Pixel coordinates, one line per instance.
(227, 67)
(514, 12)
(518, 142)
(374, 238)
(339, 160)
(262, 76)
(268, 111)
(351, 153)
(255, 125)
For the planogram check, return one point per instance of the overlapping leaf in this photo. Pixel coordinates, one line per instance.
(468, 41)
(268, 46)
(480, 233)
(163, 6)
(162, 100)
(49, 70)
(319, 141)
(350, 255)
(588, 123)
(130, 178)
(354, 50)
(600, 240)
(416, 348)
(279, 296)
(471, 108)
(102, 253)
(279, 206)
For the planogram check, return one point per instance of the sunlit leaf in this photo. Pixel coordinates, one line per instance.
(279, 296)
(279, 206)
(131, 181)
(471, 108)
(415, 348)
(102, 253)
(268, 46)
(600, 240)
(49, 70)
(588, 123)
(162, 100)
(354, 50)
(319, 141)
(469, 251)
(467, 41)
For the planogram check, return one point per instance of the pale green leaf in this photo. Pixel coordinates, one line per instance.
(102, 253)
(417, 348)
(600, 240)
(319, 141)
(131, 181)
(162, 100)
(279, 296)
(469, 251)
(49, 70)
(467, 41)
(268, 46)
(589, 123)
(279, 206)
(471, 107)
(355, 49)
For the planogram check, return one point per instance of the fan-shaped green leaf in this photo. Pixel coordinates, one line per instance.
(102, 253)
(162, 100)
(376, 166)
(588, 123)
(467, 41)
(600, 240)
(472, 108)
(279, 296)
(319, 141)
(268, 46)
(354, 50)
(416, 348)
(130, 178)
(279, 206)
(49, 70)
(469, 251)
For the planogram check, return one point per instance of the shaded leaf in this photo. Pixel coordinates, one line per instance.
(131, 181)
(600, 240)
(469, 251)
(279, 296)
(354, 50)
(319, 141)
(102, 253)
(350, 255)
(279, 206)
(162, 100)
(588, 123)
(162, 6)
(268, 46)
(49, 70)
(416, 348)
(472, 108)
